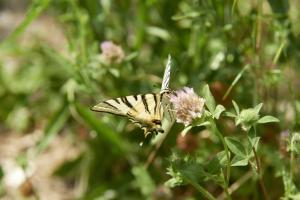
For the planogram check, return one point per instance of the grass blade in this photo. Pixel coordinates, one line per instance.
(107, 133)
(237, 78)
(55, 124)
(35, 9)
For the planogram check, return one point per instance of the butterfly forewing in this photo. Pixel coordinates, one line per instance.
(145, 109)
(117, 106)
(166, 77)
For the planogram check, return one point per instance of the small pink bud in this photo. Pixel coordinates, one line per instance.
(111, 52)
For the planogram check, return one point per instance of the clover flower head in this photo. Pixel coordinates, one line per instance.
(187, 104)
(111, 52)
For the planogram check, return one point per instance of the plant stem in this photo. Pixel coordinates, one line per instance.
(292, 160)
(259, 171)
(227, 176)
(154, 151)
(258, 26)
(260, 177)
(203, 191)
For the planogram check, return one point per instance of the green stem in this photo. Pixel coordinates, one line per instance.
(227, 176)
(258, 170)
(200, 189)
(258, 26)
(261, 182)
(292, 159)
(234, 4)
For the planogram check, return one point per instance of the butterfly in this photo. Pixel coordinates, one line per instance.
(152, 111)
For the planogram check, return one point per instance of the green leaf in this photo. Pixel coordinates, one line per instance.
(185, 130)
(68, 167)
(235, 146)
(279, 7)
(288, 183)
(248, 117)
(215, 165)
(176, 178)
(267, 119)
(19, 118)
(229, 114)
(219, 109)
(209, 99)
(207, 123)
(239, 161)
(173, 182)
(222, 158)
(158, 32)
(189, 171)
(258, 107)
(295, 196)
(1, 173)
(188, 15)
(143, 181)
(236, 107)
(253, 143)
(131, 56)
(294, 145)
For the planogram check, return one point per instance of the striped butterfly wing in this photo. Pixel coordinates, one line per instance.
(169, 115)
(146, 110)
(166, 77)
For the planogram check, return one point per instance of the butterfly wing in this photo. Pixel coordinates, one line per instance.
(145, 110)
(166, 77)
(118, 106)
(168, 113)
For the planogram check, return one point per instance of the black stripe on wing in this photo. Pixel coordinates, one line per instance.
(155, 102)
(127, 103)
(112, 110)
(116, 100)
(144, 100)
(105, 102)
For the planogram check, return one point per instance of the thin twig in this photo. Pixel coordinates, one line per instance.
(200, 189)
(227, 174)
(154, 151)
(261, 182)
(292, 160)
(259, 27)
(236, 185)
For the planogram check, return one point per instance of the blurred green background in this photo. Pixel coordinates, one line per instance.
(52, 70)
